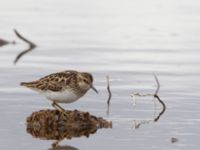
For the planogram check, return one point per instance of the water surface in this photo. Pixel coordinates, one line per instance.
(127, 40)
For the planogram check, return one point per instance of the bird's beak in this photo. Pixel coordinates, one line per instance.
(92, 87)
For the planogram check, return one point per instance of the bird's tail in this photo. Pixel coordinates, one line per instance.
(28, 84)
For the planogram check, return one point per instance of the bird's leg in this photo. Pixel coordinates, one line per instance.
(55, 105)
(59, 108)
(55, 144)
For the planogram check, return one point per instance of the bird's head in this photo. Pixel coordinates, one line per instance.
(85, 81)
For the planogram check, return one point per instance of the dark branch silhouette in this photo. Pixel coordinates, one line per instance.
(163, 108)
(158, 98)
(158, 85)
(109, 95)
(31, 46)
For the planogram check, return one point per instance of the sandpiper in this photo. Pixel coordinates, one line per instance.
(63, 87)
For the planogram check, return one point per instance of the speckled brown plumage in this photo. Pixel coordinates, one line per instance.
(54, 82)
(63, 85)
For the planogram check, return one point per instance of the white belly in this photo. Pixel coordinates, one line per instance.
(61, 97)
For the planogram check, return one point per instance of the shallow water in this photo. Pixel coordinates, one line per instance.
(128, 40)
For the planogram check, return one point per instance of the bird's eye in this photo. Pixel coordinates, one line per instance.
(85, 81)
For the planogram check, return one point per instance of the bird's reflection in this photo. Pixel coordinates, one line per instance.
(52, 125)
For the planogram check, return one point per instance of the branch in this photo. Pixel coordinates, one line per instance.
(109, 92)
(109, 95)
(158, 98)
(158, 85)
(31, 46)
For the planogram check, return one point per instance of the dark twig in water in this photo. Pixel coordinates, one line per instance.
(158, 84)
(158, 98)
(31, 46)
(163, 109)
(109, 95)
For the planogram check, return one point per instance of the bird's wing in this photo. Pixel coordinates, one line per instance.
(53, 82)
(57, 81)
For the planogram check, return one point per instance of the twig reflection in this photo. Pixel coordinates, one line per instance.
(158, 98)
(137, 124)
(155, 95)
(31, 46)
(163, 108)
